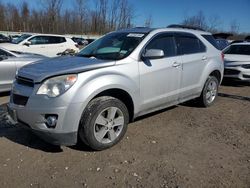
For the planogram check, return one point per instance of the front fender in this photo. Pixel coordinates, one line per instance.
(94, 86)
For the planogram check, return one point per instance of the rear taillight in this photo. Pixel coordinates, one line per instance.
(222, 56)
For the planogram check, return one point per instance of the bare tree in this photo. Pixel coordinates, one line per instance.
(126, 14)
(234, 27)
(2, 17)
(52, 9)
(198, 20)
(107, 15)
(214, 23)
(81, 7)
(148, 21)
(25, 13)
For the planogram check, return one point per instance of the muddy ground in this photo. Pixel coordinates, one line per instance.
(182, 146)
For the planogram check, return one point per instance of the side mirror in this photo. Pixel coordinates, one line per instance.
(27, 43)
(153, 54)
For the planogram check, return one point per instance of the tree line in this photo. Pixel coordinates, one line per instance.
(80, 18)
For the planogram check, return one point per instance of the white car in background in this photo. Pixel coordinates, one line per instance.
(237, 61)
(43, 44)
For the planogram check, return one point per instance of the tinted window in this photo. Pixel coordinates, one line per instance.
(238, 49)
(20, 39)
(46, 40)
(211, 40)
(189, 45)
(165, 43)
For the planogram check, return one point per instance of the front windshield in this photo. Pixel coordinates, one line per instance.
(113, 46)
(20, 39)
(238, 49)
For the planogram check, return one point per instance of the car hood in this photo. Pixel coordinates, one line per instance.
(61, 65)
(234, 60)
(10, 46)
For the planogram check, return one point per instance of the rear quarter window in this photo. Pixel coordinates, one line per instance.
(211, 40)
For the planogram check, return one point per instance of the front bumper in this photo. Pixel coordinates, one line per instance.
(238, 73)
(51, 136)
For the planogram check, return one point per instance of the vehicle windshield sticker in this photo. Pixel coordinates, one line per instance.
(135, 35)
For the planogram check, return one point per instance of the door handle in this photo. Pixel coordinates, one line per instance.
(204, 58)
(176, 65)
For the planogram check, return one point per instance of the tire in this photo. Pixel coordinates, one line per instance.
(104, 123)
(210, 92)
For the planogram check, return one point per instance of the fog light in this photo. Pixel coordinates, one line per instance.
(51, 121)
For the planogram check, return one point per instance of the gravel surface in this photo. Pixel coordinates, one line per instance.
(182, 146)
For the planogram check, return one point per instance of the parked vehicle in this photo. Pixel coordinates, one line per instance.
(119, 77)
(10, 62)
(3, 38)
(237, 61)
(43, 44)
(221, 39)
(80, 41)
(222, 43)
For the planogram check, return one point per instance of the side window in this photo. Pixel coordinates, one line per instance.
(189, 45)
(56, 40)
(39, 40)
(165, 43)
(47, 40)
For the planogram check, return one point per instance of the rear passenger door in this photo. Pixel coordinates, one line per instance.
(160, 78)
(194, 60)
(47, 45)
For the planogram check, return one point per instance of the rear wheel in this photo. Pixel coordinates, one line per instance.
(209, 92)
(104, 123)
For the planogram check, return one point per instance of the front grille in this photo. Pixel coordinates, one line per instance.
(231, 72)
(246, 76)
(25, 81)
(19, 99)
(246, 66)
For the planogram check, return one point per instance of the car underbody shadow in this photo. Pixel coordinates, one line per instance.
(154, 113)
(234, 96)
(4, 94)
(234, 83)
(23, 136)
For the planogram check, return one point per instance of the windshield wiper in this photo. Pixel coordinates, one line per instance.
(86, 55)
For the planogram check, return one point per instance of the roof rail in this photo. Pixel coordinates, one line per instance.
(184, 27)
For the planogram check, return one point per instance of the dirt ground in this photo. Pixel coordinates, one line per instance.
(183, 146)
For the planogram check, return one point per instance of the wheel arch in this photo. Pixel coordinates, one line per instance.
(123, 96)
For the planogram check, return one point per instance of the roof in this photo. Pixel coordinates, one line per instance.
(146, 30)
(137, 30)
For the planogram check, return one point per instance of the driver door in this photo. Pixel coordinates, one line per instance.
(160, 78)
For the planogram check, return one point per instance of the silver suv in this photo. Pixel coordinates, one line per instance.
(125, 74)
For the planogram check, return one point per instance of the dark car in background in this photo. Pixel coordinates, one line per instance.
(80, 41)
(221, 40)
(3, 38)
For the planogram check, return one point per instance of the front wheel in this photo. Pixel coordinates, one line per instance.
(209, 92)
(104, 123)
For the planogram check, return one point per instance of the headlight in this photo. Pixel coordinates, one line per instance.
(56, 86)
